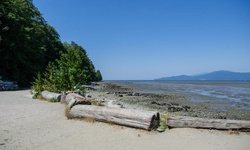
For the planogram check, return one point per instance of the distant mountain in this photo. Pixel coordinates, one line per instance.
(216, 75)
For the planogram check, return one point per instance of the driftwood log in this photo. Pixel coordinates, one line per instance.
(73, 99)
(133, 118)
(50, 95)
(71, 96)
(192, 122)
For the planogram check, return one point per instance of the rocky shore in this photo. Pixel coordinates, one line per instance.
(128, 96)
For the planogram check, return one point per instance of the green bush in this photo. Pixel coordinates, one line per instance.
(69, 73)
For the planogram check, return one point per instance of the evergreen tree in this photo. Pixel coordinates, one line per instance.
(98, 75)
(27, 42)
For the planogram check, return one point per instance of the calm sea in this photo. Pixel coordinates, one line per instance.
(231, 93)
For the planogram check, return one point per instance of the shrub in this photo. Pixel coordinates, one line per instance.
(69, 73)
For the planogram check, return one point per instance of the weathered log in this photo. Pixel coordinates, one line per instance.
(133, 118)
(74, 96)
(75, 99)
(74, 102)
(50, 95)
(192, 122)
(71, 103)
(63, 97)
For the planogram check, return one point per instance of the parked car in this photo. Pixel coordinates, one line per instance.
(1, 85)
(7, 85)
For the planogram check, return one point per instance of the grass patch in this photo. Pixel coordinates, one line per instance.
(39, 96)
(236, 132)
(53, 100)
(163, 119)
(67, 114)
(91, 120)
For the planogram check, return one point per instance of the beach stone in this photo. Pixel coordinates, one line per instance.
(136, 94)
(159, 104)
(130, 94)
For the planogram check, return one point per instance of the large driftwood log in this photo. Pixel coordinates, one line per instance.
(50, 95)
(133, 118)
(192, 122)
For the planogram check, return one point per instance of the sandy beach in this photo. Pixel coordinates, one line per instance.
(27, 123)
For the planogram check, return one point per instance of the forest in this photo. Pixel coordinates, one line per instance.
(32, 54)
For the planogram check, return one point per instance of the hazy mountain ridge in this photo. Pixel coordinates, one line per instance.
(216, 75)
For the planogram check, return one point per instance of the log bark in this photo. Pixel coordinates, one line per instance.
(192, 122)
(50, 95)
(133, 118)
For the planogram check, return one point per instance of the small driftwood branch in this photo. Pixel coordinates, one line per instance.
(133, 118)
(192, 122)
(50, 95)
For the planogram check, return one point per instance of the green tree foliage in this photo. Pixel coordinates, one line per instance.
(70, 72)
(27, 42)
(74, 67)
(98, 75)
(29, 45)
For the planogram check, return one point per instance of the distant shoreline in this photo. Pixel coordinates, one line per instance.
(216, 75)
(177, 80)
(235, 83)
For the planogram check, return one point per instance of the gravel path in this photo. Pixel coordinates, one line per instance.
(33, 124)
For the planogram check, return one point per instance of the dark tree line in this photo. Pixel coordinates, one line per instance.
(28, 44)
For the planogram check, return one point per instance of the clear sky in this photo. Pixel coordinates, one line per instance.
(148, 39)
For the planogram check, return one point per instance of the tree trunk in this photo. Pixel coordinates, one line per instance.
(132, 118)
(192, 122)
(50, 95)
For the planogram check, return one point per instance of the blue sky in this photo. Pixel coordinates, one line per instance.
(148, 39)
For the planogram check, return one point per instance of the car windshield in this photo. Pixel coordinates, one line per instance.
(9, 83)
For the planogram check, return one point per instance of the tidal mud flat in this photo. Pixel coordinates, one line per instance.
(207, 100)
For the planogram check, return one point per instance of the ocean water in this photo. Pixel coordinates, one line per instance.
(231, 94)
